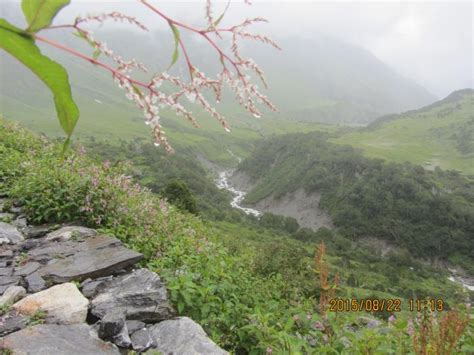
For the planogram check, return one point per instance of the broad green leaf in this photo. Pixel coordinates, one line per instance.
(22, 47)
(176, 44)
(40, 13)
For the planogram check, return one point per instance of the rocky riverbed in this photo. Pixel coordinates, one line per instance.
(66, 289)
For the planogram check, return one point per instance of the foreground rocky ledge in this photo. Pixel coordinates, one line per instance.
(69, 290)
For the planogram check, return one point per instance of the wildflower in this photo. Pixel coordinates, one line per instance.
(317, 325)
(392, 319)
(269, 351)
(296, 317)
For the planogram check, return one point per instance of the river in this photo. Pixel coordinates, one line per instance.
(222, 182)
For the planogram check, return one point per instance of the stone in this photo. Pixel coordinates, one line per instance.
(141, 294)
(12, 294)
(12, 322)
(7, 281)
(35, 283)
(9, 234)
(38, 231)
(89, 287)
(20, 223)
(6, 271)
(26, 269)
(113, 328)
(63, 304)
(29, 244)
(68, 232)
(46, 339)
(142, 340)
(183, 336)
(134, 325)
(93, 257)
(16, 209)
(6, 254)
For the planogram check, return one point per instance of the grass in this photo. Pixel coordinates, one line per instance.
(425, 137)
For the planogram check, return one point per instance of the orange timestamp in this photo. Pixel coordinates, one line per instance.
(385, 305)
(365, 305)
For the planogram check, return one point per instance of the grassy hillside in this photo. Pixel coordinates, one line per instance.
(441, 134)
(429, 213)
(253, 290)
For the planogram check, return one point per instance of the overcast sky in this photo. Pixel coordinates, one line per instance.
(430, 42)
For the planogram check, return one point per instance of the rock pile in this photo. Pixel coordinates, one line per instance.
(69, 290)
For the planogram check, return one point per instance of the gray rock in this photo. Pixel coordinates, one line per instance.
(142, 340)
(113, 328)
(29, 244)
(12, 322)
(141, 294)
(6, 271)
(74, 232)
(47, 339)
(89, 287)
(183, 336)
(7, 281)
(35, 283)
(16, 209)
(12, 294)
(9, 234)
(63, 304)
(134, 325)
(20, 223)
(93, 257)
(26, 269)
(38, 231)
(6, 254)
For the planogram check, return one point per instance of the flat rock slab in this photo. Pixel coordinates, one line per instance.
(92, 257)
(47, 339)
(9, 234)
(68, 232)
(141, 295)
(63, 304)
(11, 322)
(183, 336)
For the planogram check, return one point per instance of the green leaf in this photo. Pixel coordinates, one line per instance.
(22, 47)
(176, 44)
(219, 19)
(40, 13)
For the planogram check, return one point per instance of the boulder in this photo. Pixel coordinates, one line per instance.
(183, 336)
(26, 269)
(6, 217)
(93, 257)
(134, 325)
(12, 294)
(35, 283)
(142, 340)
(63, 304)
(11, 322)
(140, 294)
(7, 281)
(46, 339)
(9, 234)
(113, 328)
(68, 232)
(20, 223)
(38, 231)
(89, 287)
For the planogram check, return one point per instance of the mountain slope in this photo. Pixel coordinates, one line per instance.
(441, 134)
(429, 213)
